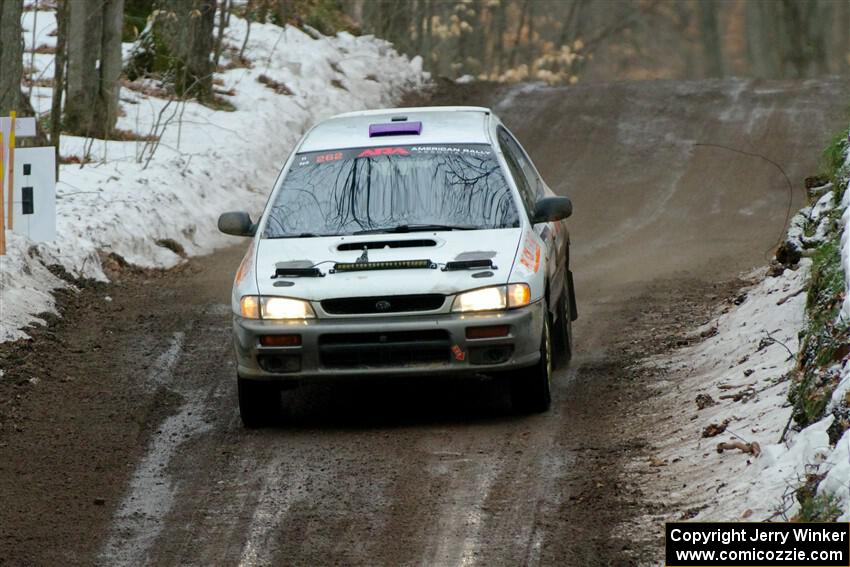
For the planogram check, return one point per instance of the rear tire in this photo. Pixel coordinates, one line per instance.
(530, 387)
(259, 402)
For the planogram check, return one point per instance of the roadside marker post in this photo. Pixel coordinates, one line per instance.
(11, 128)
(11, 168)
(2, 202)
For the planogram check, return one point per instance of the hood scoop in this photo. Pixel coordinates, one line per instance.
(469, 265)
(375, 244)
(296, 269)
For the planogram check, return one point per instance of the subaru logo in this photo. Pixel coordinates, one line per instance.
(383, 305)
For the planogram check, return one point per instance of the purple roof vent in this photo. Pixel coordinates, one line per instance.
(395, 129)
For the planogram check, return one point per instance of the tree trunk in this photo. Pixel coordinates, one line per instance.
(420, 26)
(516, 46)
(765, 33)
(186, 29)
(94, 66)
(109, 86)
(223, 17)
(84, 42)
(429, 34)
(59, 76)
(499, 47)
(712, 52)
(11, 56)
(568, 33)
(530, 54)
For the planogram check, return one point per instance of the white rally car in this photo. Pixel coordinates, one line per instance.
(403, 242)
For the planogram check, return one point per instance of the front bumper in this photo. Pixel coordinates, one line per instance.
(412, 345)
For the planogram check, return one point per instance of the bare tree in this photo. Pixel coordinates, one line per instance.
(94, 66)
(109, 77)
(186, 30)
(224, 11)
(517, 41)
(710, 35)
(62, 7)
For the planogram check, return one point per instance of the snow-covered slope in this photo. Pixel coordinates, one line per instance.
(745, 370)
(738, 381)
(208, 161)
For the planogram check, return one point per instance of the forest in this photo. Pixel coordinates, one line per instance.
(571, 40)
(176, 45)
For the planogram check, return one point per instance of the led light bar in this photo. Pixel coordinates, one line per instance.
(391, 265)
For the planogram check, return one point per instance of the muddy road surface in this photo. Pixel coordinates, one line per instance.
(120, 441)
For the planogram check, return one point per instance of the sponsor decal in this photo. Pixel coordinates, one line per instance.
(334, 156)
(459, 353)
(375, 152)
(245, 265)
(530, 257)
(329, 157)
(462, 150)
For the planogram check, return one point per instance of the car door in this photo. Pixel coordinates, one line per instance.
(532, 188)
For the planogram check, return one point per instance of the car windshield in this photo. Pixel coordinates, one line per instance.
(399, 188)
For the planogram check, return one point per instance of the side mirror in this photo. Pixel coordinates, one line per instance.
(550, 209)
(237, 223)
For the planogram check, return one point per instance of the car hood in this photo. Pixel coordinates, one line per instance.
(499, 246)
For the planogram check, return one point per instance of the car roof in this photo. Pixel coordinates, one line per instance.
(440, 125)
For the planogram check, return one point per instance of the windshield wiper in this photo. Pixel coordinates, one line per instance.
(415, 228)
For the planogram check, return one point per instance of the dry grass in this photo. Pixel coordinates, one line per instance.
(276, 86)
(129, 136)
(44, 49)
(146, 89)
(74, 159)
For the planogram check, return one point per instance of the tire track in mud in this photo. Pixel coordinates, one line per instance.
(468, 484)
(277, 497)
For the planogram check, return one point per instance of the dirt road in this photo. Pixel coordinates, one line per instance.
(120, 442)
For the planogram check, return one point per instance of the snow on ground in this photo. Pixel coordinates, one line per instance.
(746, 367)
(207, 161)
(749, 357)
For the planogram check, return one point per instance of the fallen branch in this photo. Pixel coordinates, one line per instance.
(752, 448)
(792, 294)
(773, 339)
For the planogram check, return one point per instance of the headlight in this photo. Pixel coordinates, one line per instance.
(254, 307)
(492, 298)
(484, 299)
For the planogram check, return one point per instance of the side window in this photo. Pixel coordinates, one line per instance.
(527, 166)
(515, 158)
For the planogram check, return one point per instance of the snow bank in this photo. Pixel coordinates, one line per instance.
(750, 358)
(208, 161)
(746, 368)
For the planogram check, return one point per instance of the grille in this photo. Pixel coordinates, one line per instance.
(383, 304)
(399, 348)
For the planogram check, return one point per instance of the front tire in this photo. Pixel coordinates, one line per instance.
(259, 402)
(562, 337)
(530, 387)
